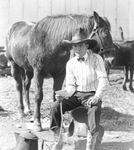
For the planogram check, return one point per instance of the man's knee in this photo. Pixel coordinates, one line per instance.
(93, 110)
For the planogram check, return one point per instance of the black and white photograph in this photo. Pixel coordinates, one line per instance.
(66, 75)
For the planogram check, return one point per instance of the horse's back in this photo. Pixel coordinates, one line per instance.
(17, 42)
(125, 44)
(124, 53)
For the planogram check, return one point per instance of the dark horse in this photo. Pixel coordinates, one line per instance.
(124, 56)
(37, 50)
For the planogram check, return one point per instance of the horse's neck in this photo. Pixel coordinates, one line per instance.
(72, 54)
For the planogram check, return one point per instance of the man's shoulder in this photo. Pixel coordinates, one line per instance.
(72, 59)
(96, 56)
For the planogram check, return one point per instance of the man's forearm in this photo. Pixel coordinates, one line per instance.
(103, 83)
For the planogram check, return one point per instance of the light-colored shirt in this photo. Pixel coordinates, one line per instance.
(85, 76)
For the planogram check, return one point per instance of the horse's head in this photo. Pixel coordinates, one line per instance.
(101, 32)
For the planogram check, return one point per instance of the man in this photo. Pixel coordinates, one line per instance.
(86, 79)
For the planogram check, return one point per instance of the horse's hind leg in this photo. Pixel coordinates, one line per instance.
(131, 79)
(16, 73)
(125, 77)
(27, 82)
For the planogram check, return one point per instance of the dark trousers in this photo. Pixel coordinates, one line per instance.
(78, 99)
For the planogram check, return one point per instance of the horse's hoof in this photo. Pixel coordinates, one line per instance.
(20, 115)
(132, 90)
(1, 108)
(31, 119)
(27, 112)
(124, 88)
(37, 128)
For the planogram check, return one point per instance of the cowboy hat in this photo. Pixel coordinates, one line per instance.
(80, 37)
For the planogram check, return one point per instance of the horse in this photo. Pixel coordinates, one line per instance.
(37, 49)
(124, 56)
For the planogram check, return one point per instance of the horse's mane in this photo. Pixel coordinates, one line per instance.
(53, 29)
(60, 27)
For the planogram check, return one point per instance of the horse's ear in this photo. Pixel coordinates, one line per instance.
(95, 13)
(96, 17)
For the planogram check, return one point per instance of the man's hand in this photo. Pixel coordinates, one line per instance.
(59, 98)
(93, 101)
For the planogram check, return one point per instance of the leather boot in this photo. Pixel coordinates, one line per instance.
(94, 142)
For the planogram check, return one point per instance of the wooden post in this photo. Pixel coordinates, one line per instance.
(121, 33)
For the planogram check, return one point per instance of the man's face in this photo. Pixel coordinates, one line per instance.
(80, 49)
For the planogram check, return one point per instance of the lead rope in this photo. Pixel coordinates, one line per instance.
(60, 140)
(60, 134)
(59, 144)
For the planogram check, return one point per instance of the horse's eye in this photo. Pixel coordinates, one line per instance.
(102, 50)
(94, 29)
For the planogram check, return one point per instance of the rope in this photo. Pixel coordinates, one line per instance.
(60, 134)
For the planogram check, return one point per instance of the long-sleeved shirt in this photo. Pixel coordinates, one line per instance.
(85, 76)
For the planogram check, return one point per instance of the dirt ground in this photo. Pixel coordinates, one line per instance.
(117, 114)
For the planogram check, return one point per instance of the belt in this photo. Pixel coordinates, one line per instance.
(92, 92)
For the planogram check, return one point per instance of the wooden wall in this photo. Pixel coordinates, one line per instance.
(119, 12)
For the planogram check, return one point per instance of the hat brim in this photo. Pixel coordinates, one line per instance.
(91, 42)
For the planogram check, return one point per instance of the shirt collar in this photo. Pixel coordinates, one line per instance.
(85, 56)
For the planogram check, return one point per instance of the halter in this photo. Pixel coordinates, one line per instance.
(95, 31)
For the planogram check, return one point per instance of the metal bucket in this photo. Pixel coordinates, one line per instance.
(26, 140)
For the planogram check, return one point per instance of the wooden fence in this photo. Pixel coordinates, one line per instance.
(119, 12)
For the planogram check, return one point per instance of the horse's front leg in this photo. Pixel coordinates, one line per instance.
(27, 83)
(131, 79)
(125, 77)
(58, 82)
(38, 79)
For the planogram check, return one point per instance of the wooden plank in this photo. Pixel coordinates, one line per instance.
(110, 13)
(78, 7)
(85, 7)
(16, 13)
(72, 7)
(119, 13)
(58, 7)
(122, 17)
(98, 6)
(4, 20)
(131, 20)
(44, 8)
(30, 10)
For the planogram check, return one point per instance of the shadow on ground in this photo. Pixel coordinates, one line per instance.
(116, 121)
(5, 113)
(118, 145)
